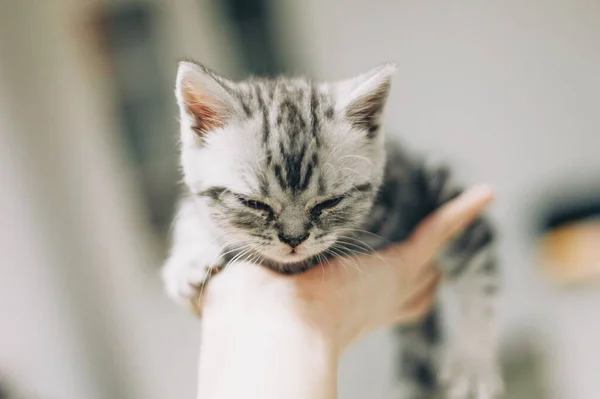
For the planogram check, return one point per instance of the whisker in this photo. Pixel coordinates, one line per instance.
(210, 268)
(355, 243)
(355, 171)
(337, 256)
(348, 252)
(361, 249)
(363, 231)
(320, 261)
(367, 160)
(237, 257)
(342, 257)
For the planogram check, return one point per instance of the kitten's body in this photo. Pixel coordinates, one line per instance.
(315, 154)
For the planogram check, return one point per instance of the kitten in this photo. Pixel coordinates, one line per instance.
(286, 172)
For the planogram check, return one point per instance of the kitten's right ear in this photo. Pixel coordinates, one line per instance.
(362, 98)
(204, 98)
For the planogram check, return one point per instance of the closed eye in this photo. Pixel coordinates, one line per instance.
(327, 204)
(254, 204)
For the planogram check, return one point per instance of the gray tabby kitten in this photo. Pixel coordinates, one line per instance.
(286, 172)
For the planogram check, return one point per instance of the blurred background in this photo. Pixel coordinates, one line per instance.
(508, 92)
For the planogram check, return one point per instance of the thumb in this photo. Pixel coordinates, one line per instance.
(434, 233)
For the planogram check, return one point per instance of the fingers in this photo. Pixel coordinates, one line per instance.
(432, 235)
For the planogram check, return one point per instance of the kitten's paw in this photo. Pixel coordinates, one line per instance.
(466, 376)
(183, 277)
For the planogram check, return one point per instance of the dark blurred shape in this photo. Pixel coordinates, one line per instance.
(569, 231)
(523, 369)
(5, 391)
(252, 27)
(566, 201)
(130, 41)
(571, 212)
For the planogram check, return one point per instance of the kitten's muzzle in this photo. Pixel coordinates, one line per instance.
(292, 241)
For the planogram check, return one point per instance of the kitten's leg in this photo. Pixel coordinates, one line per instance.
(472, 365)
(195, 251)
(419, 358)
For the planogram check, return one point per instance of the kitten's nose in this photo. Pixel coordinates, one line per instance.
(292, 241)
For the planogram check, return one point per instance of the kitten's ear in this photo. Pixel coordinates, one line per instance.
(362, 98)
(204, 98)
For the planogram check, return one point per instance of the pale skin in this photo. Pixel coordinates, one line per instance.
(270, 336)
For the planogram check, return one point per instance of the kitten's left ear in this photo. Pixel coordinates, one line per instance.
(362, 98)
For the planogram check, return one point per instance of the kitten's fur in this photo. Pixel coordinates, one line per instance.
(286, 172)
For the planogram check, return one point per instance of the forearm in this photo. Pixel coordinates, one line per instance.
(261, 347)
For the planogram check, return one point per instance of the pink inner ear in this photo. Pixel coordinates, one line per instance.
(206, 110)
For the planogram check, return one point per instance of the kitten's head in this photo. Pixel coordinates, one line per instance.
(286, 166)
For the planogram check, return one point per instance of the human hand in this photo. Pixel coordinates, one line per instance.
(395, 286)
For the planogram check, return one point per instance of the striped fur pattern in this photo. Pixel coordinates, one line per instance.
(288, 172)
